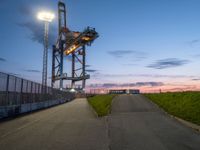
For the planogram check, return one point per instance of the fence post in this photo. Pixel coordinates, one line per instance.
(35, 92)
(21, 92)
(31, 91)
(27, 96)
(38, 88)
(35, 87)
(7, 90)
(26, 86)
(15, 92)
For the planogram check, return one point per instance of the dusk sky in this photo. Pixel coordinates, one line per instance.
(147, 44)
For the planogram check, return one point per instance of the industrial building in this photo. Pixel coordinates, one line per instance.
(124, 91)
(134, 91)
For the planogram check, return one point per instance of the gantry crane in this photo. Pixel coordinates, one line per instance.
(73, 44)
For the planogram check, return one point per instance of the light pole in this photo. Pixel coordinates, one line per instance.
(47, 17)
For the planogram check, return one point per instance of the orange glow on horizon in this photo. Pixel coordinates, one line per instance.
(150, 89)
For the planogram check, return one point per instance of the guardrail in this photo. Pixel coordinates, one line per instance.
(19, 95)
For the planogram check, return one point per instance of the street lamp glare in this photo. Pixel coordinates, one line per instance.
(45, 16)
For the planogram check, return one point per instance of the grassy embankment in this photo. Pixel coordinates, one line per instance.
(101, 104)
(185, 105)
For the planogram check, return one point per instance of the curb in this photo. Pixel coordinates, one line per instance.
(112, 103)
(182, 121)
(188, 124)
(92, 109)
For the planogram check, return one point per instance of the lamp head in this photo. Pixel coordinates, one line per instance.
(45, 16)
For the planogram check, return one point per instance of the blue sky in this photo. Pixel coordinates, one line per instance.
(140, 40)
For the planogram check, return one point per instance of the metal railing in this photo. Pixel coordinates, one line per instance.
(17, 91)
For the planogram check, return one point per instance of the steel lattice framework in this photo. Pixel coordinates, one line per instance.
(45, 56)
(73, 44)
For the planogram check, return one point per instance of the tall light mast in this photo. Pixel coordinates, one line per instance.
(46, 17)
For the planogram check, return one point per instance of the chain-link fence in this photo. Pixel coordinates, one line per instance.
(18, 91)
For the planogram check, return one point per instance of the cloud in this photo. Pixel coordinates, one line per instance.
(196, 56)
(25, 10)
(153, 84)
(2, 59)
(137, 84)
(91, 70)
(193, 42)
(129, 64)
(120, 53)
(168, 63)
(137, 55)
(14, 74)
(196, 79)
(32, 71)
(37, 32)
(99, 75)
(136, 75)
(36, 27)
(87, 65)
(164, 76)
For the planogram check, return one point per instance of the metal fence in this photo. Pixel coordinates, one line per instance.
(17, 91)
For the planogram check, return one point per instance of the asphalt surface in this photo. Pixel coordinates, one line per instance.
(137, 124)
(134, 124)
(71, 126)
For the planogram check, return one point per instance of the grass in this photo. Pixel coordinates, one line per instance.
(101, 104)
(185, 105)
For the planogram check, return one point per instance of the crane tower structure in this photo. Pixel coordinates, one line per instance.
(73, 44)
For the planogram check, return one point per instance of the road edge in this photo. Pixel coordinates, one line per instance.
(182, 121)
(92, 109)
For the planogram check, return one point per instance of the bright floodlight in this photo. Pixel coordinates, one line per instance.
(46, 16)
(72, 90)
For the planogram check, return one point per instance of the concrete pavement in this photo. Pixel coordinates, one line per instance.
(137, 124)
(134, 124)
(71, 126)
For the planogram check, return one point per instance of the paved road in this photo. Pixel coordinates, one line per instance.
(71, 126)
(137, 124)
(134, 124)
